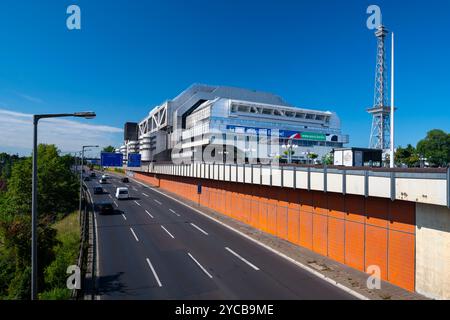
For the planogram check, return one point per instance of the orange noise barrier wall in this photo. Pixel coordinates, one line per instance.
(353, 230)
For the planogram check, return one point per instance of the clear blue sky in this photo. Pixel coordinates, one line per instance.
(132, 55)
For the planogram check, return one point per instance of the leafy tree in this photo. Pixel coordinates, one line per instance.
(57, 194)
(436, 147)
(109, 149)
(407, 156)
(57, 185)
(328, 159)
(6, 162)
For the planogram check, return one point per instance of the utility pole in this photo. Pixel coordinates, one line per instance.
(392, 163)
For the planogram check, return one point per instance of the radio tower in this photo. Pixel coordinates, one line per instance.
(381, 124)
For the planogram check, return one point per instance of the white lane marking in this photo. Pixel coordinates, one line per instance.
(201, 267)
(154, 272)
(246, 261)
(145, 194)
(167, 232)
(149, 214)
(134, 188)
(116, 204)
(199, 229)
(134, 234)
(109, 196)
(173, 211)
(137, 203)
(125, 218)
(158, 202)
(280, 254)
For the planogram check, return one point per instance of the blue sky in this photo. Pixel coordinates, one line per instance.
(132, 55)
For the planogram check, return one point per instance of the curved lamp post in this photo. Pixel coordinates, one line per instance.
(34, 220)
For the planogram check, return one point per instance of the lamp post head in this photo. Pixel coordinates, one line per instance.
(86, 114)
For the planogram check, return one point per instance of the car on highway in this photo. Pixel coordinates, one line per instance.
(125, 180)
(87, 179)
(122, 193)
(92, 175)
(98, 190)
(103, 181)
(105, 176)
(104, 207)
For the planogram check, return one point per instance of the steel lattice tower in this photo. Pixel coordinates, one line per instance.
(380, 132)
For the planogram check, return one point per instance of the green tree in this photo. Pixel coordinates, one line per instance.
(435, 148)
(57, 185)
(407, 156)
(109, 149)
(57, 195)
(328, 159)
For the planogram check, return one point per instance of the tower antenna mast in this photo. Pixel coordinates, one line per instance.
(381, 120)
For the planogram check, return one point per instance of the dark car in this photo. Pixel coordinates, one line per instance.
(104, 207)
(98, 190)
(125, 180)
(87, 179)
(92, 175)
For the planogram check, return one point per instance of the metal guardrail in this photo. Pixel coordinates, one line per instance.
(84, 238)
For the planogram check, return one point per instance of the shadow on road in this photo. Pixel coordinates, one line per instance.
(115, 212)
(131, 198)
(111, 284)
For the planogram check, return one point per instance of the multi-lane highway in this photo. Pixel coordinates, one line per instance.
(153, 247)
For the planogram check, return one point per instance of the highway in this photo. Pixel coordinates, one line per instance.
(153, 247)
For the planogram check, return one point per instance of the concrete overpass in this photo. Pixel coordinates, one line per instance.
(398, 220)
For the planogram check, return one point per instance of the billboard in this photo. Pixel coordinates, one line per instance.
(296, 135)
(134, 160)
(111, 159)
(303, 135)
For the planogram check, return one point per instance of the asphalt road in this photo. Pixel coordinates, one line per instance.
(153, 247)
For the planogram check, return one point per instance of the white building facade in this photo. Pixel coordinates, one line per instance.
(235, 122)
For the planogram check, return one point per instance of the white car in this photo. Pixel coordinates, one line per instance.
(122, 193)
(105, 176)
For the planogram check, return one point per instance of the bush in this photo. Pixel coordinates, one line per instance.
(66, 252)
(56, 294)
(20, 286)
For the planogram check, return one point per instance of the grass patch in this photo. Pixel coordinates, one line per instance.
(68, 227)
(66, 253)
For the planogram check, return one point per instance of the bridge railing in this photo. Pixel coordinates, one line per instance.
(430, 186)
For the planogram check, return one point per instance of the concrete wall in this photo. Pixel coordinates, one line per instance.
(433, 251)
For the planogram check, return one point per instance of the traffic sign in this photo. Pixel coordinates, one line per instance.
(134, 160)
(111, 159)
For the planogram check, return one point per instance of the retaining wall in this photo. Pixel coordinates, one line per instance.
(351, 229)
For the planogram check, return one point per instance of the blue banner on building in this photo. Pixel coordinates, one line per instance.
(111, 159)
(134, 160)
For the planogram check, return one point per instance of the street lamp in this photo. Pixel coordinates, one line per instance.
(36, 118)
